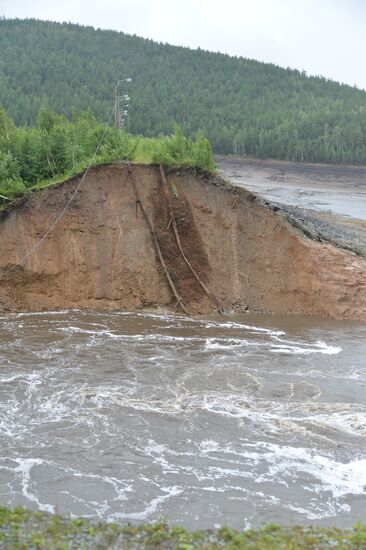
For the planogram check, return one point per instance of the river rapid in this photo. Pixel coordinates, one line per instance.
(243, 419)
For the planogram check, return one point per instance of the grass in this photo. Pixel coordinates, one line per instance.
(21, 529)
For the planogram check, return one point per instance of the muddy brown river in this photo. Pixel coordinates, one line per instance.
(243, 419)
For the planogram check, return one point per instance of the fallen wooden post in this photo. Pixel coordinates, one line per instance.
(173, 223)
(156, 244)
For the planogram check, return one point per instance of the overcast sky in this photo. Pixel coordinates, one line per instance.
(326, 37)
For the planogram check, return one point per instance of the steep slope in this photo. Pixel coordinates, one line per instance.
(242, 106)
(101, 254)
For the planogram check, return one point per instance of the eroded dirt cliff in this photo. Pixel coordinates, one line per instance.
(101, 255)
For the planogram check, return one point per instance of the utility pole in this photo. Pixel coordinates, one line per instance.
(116, 102)
(119, 118)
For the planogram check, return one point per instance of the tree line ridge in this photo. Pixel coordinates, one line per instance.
(242, 106)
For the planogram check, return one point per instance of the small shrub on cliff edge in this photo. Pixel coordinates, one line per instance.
(178, 150)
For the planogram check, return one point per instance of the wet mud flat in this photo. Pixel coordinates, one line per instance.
(326, 202)
(242, 420)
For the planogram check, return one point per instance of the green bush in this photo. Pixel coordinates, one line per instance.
(180, 151)
(11, 189)
(11, 184)
(58, 148)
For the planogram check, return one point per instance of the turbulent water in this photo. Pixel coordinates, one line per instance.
(130, 417)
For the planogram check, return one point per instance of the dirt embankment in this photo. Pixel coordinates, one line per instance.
(101, 255)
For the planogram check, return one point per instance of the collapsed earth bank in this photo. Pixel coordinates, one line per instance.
(101, 253)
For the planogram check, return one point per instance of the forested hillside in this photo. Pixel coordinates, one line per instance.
(242, 106)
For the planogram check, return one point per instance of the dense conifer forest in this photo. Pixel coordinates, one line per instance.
(243, 106)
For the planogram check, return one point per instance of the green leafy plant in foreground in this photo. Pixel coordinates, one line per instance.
(21, 529)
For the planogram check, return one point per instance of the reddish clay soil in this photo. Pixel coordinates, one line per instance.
(101, 255)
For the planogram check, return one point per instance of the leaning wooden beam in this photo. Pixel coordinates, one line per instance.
(173, 223)
(156, 244)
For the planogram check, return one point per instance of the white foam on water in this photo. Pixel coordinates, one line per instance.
(279, 346)
(157, 451)
(159, 316)
(81, 330)
(329, 481)
(209, 446)
(24, 468)
(45, 313)
(349, 423)
(318, 347)
(221, 344)
(146, 338)
(8, 378)
(241, 326)
(152, 507)
(329, 474)
(338, 478)
(294, 417)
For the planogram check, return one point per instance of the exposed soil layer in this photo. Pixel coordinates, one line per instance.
(101, 255)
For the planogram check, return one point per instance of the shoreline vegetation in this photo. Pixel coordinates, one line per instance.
(57, 149)
(21, 529)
